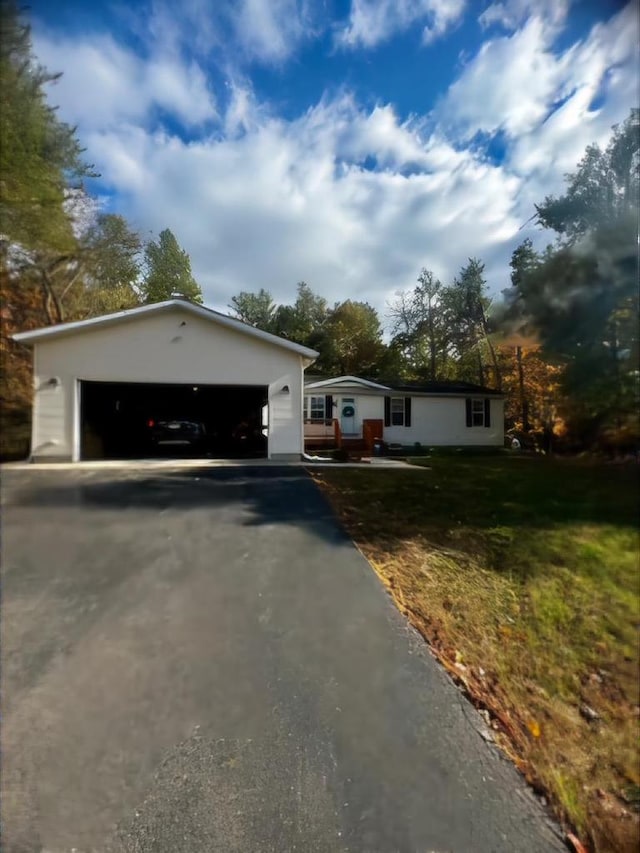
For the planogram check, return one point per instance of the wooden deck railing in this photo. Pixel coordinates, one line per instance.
(322, 431)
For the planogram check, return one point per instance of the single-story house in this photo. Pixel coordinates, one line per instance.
(101, 384)
(356, 410)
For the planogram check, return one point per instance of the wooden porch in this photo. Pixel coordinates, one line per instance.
(325, 434)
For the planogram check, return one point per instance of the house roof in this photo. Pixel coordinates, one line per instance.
(341, 381)
(453, 388)
(62, 329)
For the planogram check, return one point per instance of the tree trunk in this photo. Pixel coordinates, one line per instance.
(432, 355)
(46, 302)
(524, 404)
(496, 368)
(50, 299)
(74, 278)
(616, 374)
(480, 367)
(492, 352)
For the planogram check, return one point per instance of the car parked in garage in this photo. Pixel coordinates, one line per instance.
(177, 432)
(100, 380)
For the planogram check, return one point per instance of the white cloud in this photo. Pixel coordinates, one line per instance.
(512, 13)
(604, 66)
(104, 83)
(292, 200)
(357, 135)
(229, 34)
(195, 28)
(515, 82)
(354, 200)
(374, 21)
(271, 30)
(237, 31)
(508, 86)
(444, 14)
(545, 104)
(242, 110)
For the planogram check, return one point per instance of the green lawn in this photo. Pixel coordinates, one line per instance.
(523, 575)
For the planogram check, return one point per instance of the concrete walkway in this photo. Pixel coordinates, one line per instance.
(311, 461)
(200, 660)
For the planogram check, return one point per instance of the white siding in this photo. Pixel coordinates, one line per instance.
(438, 421)
(442, 421)
(368, 406)
(285, 415)
(51, 403)
(171, 347)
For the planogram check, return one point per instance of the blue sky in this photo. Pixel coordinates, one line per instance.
(344, 143)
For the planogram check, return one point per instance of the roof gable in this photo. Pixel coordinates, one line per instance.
(104, 320)
(348, 382)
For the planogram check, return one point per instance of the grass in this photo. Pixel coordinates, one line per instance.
(522, 574)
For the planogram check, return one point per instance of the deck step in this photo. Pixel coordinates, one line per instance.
(354, 444)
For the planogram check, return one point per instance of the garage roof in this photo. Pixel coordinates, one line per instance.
(199, 310)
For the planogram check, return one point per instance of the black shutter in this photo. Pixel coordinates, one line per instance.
(387, 411)
(328, 407)
(487, 412)
(469, 416)
(407, 411)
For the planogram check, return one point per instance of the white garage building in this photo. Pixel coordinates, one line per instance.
(101, 384)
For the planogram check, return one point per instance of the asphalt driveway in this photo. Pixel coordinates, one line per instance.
(200, 660)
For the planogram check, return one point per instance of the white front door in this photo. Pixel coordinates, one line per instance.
(348, 415)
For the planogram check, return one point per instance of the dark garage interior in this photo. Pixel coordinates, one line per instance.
(127, 420)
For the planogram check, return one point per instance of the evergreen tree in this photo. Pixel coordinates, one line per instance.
(40, 156)
(351, 340)
(420, 329)
(111, 252)
(256, 309)
(466, 306)
(303, 321)
(580, 300)
(168, 271)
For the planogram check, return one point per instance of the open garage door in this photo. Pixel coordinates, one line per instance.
(127, 420)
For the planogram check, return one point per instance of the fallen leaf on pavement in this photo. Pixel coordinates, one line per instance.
(576, 845)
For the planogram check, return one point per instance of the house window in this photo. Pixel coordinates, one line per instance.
(397, 411)
(314, 408)
(477, 413)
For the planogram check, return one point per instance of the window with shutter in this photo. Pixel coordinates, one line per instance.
(328, 407)
(397, 411)
(314, 408)
(478, 412)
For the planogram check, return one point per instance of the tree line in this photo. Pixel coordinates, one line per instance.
(61, 257)
(53, 237)
(562, 342)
